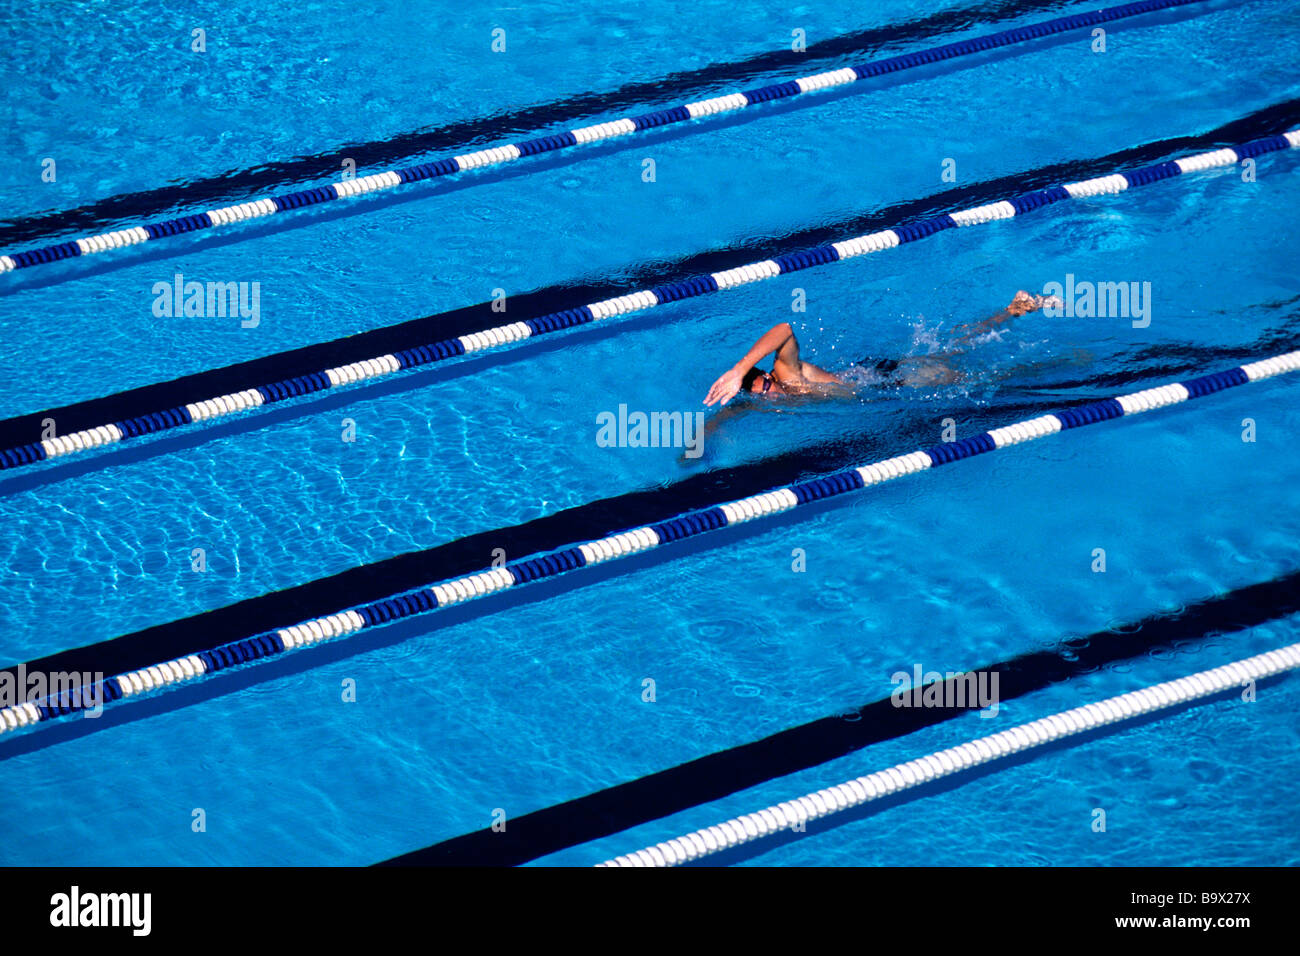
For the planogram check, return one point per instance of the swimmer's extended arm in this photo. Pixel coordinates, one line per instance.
(1022, 304)
(779, 339)
(974, 331)
(724, 415)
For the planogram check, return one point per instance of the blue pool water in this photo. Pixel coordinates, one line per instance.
(532, 705)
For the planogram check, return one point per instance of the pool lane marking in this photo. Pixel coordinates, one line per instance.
(514, 332)
(362, 584)
(400, 147)
(784, 816)
(625, 543)
(389, 339)
(705, 779)
(478, 159)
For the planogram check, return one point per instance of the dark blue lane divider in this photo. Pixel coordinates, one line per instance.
(141, 405)
(239, 185)
(510, 152)
(378, 581)
(717, 775)
(444, 591)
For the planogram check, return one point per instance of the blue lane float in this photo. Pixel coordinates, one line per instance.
(385, 339)
(193, 193)
(536, 146)
(500, 336)
(625, 543)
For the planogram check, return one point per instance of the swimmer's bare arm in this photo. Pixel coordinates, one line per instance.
(970, 332)
(1021, 304)
(819, 375)
(779, 339)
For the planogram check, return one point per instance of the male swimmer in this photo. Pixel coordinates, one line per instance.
(791, 375)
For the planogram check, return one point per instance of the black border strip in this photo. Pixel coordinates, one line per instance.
(22, 429)
(709, 778)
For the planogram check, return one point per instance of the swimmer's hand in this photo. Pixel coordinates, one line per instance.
(726, 387)
(1024, 303)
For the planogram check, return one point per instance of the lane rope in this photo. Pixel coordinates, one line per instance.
(494, 156)
(468, 587)
(577, 108)
(638, 301)
(943, 763)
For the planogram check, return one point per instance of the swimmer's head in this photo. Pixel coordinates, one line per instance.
(758, 381)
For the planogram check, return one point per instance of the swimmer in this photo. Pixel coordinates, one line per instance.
(792, 375)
